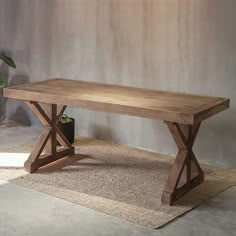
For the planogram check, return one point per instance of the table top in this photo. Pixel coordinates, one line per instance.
(169, 106)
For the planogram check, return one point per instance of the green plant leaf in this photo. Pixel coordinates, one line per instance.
(2, 82)
(65, 119)
(7, 60)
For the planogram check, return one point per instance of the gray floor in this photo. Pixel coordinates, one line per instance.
(27, 212)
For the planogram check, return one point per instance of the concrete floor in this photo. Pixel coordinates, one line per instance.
(27, 212)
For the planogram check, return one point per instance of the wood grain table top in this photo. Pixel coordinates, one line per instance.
(168, 106)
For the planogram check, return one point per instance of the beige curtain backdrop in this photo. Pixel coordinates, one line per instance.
(175, 45)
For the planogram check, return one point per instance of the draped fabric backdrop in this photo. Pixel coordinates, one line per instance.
(175, 45)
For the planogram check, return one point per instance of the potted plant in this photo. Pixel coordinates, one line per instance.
(67, 126)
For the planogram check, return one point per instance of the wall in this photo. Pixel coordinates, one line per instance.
(176, 45)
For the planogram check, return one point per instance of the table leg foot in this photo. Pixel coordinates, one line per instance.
(171, 197)
(186, 172)
(31, 167)
(48, 138)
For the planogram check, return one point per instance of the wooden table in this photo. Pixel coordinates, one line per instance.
(182, 113)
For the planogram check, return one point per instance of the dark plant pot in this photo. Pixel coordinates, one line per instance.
(68, 129)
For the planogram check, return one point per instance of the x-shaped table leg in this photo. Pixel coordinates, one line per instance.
(48, 138)
(186, 172)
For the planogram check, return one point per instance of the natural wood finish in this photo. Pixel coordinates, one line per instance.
(51, 145)
(179, 181)
(47, 140)
(169, 106)
(39, 112)
(47, 159)
(60, 111)
(183, 114)
(62, 139)
(31, 165)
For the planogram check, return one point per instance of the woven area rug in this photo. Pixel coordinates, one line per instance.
(118, 180)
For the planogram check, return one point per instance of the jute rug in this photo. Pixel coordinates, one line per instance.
(118, 180)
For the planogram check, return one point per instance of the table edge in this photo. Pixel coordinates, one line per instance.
(178, 117)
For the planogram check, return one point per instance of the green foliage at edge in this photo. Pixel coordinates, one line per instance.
(7, 60)
(2, 81)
